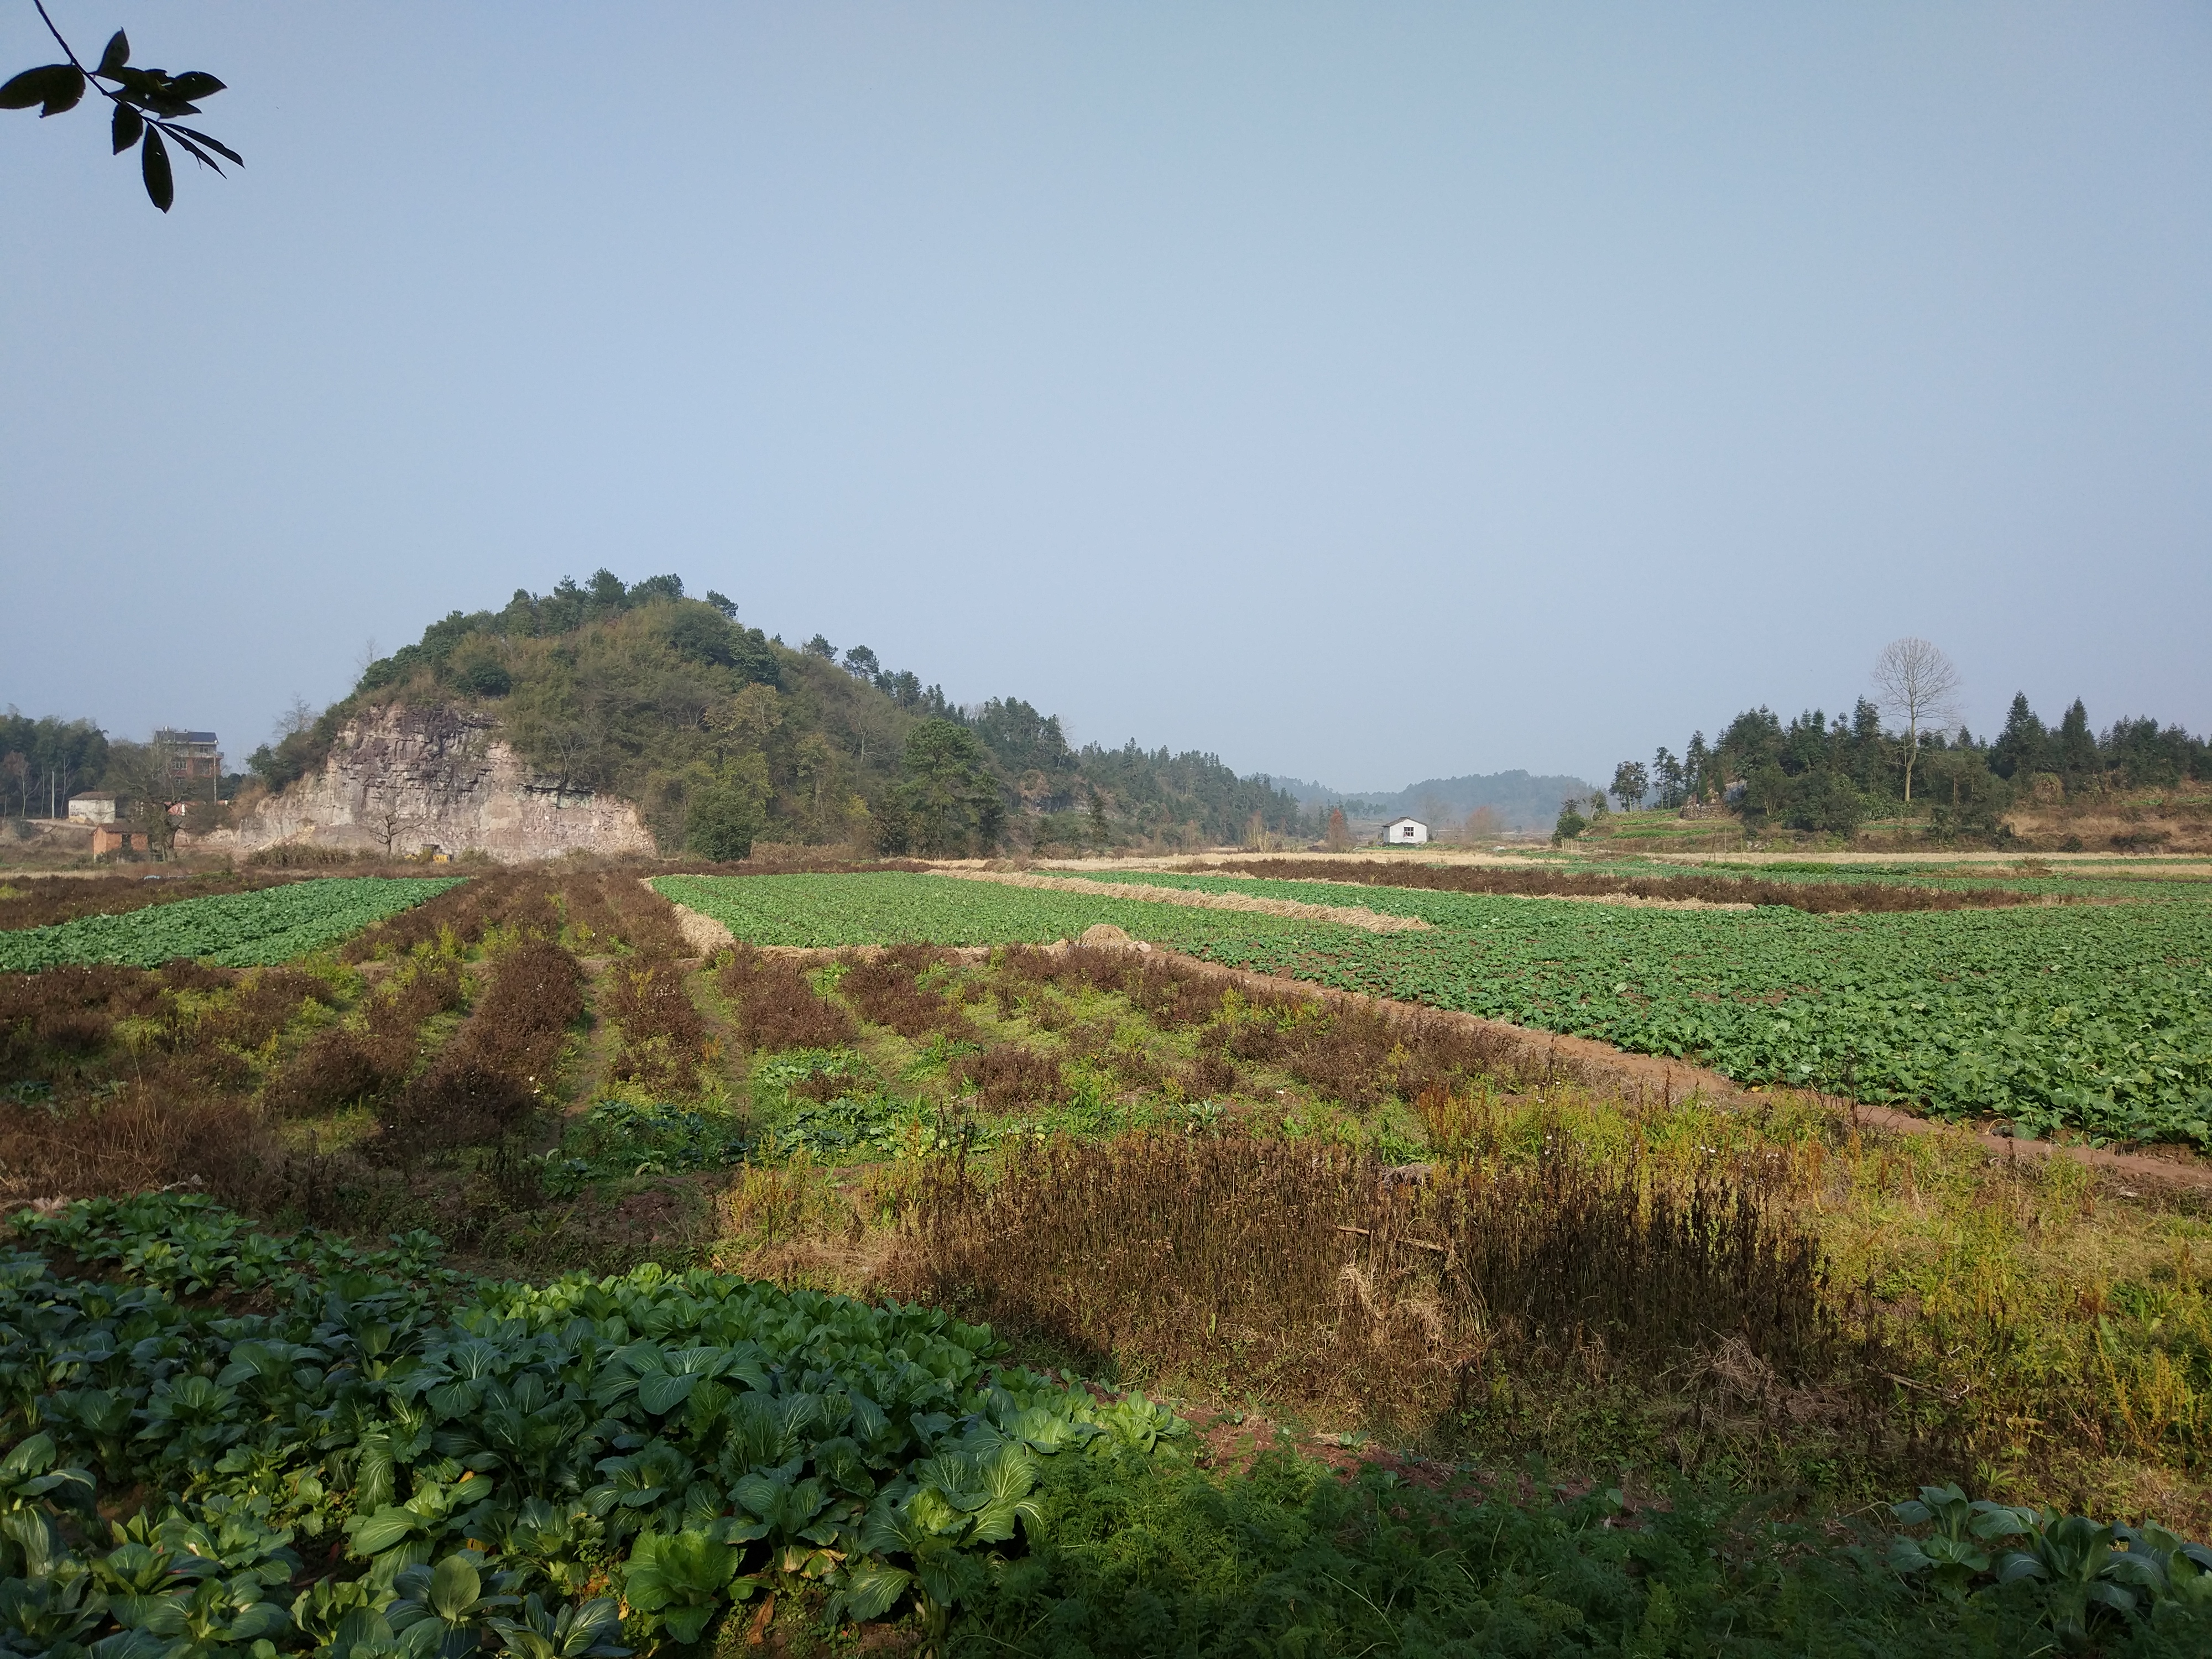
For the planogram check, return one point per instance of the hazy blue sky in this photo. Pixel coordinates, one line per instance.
(1362, 392)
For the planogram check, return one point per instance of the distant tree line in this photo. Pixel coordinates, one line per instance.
(1818, 773)
(45, 761)
(724, 735)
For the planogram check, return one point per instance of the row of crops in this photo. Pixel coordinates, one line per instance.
(233, 930)
(2093, 1017)
(387, 1458)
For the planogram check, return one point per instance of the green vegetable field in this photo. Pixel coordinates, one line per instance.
(647, 1433)
(232, 930)
(875, 909)
(2092, 1017)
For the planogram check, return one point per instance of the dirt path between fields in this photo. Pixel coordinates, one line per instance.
(700, 931)
(1345, 915)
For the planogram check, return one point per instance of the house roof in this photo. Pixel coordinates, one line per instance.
(1394, 823)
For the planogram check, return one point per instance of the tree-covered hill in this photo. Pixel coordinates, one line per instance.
(723, 736)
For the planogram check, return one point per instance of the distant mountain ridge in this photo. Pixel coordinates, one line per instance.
(1522, 800)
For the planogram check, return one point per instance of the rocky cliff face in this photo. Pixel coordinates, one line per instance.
(404, 780)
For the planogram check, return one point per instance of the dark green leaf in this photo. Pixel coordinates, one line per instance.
(34, 85)
(195, 83)
(21, 91)
(116, 54)
(216, 145)
(182, 136)
(64, 89)
(129, 125)
(57, 85)
(154, 162)
(165, 103)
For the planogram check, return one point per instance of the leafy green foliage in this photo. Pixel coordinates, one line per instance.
(2087, 1574)
(619, 1138)
(146, 102)
(384, 1458)
(2087, 1016)
(458, 1444)
(237, 930)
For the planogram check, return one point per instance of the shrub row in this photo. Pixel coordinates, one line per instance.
(776, 1007)
(1821, 898)
(499, 1064)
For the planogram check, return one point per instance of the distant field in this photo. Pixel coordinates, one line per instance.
(891, 909)
(233, 930)
(2095, 1017)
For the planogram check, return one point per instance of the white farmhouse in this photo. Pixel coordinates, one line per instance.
(98, 806)
(1404, 832)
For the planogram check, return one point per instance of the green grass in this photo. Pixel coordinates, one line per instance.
(232, 930)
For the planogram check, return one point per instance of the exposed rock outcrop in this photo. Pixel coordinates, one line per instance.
(406, 779)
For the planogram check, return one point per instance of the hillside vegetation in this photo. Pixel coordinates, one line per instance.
(723, 736)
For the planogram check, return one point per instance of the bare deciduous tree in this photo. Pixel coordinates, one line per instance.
(1917, 686)
(384, 816)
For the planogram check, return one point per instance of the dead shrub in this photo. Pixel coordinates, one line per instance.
(647, 922)
(777, 1008)
(489, 1079)
(335, 1069)
(1820, 898)
(137, 1142)
(1210, 1073)
(462, 1102)
(663, 1037)
(1459, 1125)
(1300, 1270)
(399, 1006)
(520, 901)
(1135, 1066)
(1007, 1075)
(263, 1004)
(887, 991)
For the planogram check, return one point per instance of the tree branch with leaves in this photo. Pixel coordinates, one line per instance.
(146, 102)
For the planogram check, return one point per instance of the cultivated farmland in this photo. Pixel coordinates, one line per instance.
(234, 930)
(2095, 1017)
(1309, 1221)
